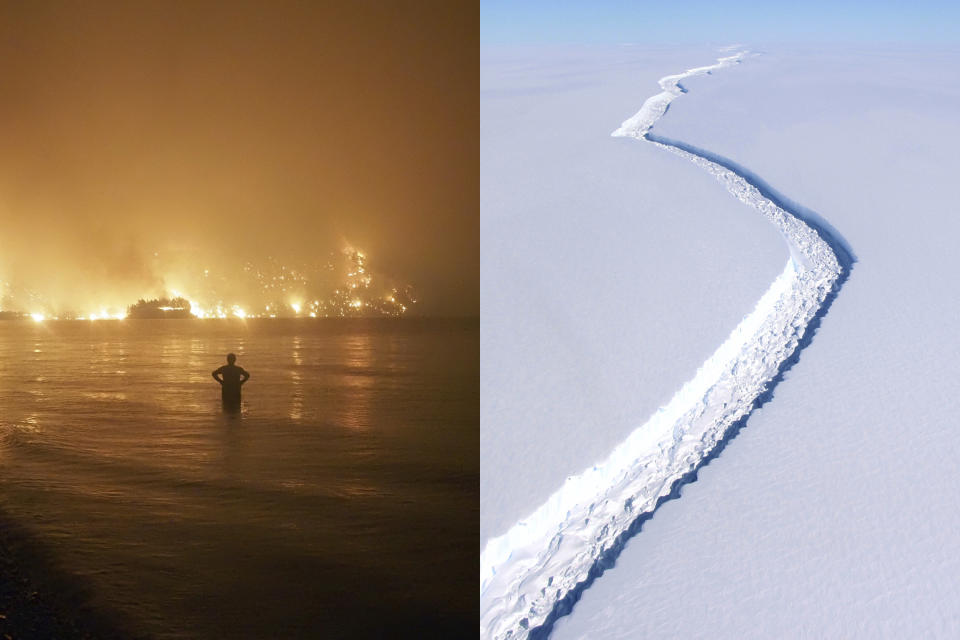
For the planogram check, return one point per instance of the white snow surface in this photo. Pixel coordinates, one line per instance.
(610, 270)
(547, 554)
(835, 511)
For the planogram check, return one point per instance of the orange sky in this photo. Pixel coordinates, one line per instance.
(236, 130)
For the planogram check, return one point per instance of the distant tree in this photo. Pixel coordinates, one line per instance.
(160, 308)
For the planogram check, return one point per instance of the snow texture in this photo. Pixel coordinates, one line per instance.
(600, 257)
(834, 513)
(530, 574)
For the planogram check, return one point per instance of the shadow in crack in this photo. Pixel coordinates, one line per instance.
(846, 258)
(831, 236)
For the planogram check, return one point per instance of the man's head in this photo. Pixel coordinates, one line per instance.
(231, 358)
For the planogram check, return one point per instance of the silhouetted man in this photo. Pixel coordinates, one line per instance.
(230, 377)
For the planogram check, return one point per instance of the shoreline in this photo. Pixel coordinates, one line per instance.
(39, 600)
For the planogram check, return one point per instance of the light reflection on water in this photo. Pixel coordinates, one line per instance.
(326, 506)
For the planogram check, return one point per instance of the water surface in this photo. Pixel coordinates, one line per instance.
(341, 502)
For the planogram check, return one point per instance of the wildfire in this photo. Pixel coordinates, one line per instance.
(320, 289)
(103, 314)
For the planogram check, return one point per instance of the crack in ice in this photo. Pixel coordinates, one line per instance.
(528, 574)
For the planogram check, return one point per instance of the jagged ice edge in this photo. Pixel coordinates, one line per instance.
(524, 572)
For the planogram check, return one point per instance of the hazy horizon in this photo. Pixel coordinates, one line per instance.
(151, 147)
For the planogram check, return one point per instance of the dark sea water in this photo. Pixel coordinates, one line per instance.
(342, 502)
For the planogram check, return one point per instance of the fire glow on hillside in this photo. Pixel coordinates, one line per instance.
(340, 286)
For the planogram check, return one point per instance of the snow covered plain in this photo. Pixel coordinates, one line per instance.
(599, 258)
(546, 555)
(834, 512)
(529, 575)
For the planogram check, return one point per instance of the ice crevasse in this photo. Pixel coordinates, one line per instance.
(527, 571)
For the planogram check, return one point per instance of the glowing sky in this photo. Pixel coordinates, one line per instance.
(216, 133)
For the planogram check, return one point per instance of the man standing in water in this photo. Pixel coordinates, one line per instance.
(231, 377)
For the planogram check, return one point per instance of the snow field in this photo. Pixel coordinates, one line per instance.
(527, 571)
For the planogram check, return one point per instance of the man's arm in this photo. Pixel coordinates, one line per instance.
(244, 376)
(214, 374)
